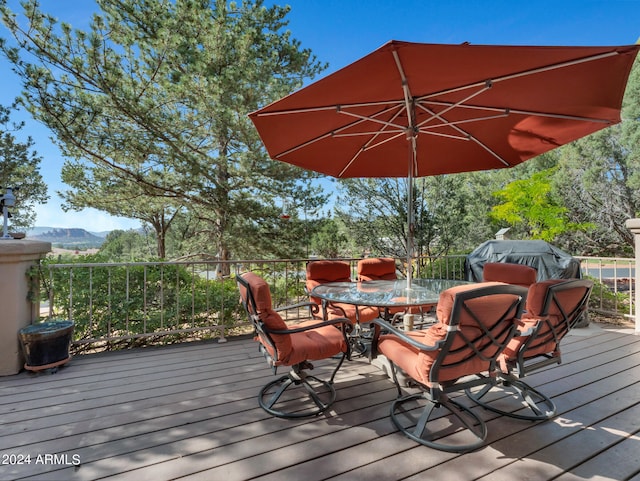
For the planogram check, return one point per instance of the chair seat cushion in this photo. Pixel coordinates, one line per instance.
(314, 344)
(409, 358)
(417, 363)
(364, 313)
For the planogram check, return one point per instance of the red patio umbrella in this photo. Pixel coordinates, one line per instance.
(413, 109)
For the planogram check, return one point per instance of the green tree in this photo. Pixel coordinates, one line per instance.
(376, 212)
(20, 168)
(530, 206)
(123, 246)
(110, 191)
(151, 101)
(330, 240)
(599, 181)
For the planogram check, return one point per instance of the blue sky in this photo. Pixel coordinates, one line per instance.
(341, 31)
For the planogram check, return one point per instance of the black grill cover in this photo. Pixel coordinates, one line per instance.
(549, 261)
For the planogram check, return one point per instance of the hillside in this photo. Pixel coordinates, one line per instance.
(69, 238)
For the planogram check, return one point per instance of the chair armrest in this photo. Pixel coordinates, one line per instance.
(381, 323)
(346, 324)
(296, 306)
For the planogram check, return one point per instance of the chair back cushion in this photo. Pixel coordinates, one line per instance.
(539, 302)
(278, 345)
(377, 269)
(321, 272)
(553, 307)
(517, 274)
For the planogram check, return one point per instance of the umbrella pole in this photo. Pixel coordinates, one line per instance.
(410, 220)
(408, 317)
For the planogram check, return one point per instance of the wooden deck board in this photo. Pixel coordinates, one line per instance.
(190, 412)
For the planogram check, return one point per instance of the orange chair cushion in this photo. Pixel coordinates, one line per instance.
(569, 299)
(293, 348)
(373, 269)
(321, 272)
(351, 312)
(329, 271)
(311, 345)
(511, 351)
(417, 363)
(414, 362)
(517, 274)
(270, 318)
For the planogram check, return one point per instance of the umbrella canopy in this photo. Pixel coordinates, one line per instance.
(413, 109)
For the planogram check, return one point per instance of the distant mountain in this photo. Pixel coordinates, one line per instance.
(67, 238)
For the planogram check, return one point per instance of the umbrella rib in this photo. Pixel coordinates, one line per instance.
(337, 132)
(465, 134)
(386, 123)
(442, 134)
(302, 145)
(405, 88)
(487, 85)
(323, 108)
(373, 132)
(486, 147)
(365, 148)
(533, 71)
(368, 145)
(518, 111)
(458, 122)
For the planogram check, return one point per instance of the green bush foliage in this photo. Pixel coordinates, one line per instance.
(125, 300)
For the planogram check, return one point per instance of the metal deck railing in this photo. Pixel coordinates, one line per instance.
(125, 302)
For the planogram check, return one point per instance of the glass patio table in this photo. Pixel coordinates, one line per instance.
(386, 295)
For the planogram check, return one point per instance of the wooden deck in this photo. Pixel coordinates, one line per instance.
(190, 411)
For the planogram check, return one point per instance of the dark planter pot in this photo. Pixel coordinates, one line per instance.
(46, 345)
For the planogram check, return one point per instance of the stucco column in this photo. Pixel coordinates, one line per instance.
(16, 311)
(634, 226)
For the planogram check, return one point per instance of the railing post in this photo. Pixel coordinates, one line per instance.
(634, 226)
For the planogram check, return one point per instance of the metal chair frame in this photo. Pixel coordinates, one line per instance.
(435, 395)
(356, 335)
(538, 406)
(321, 393)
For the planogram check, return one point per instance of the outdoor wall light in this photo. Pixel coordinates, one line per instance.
(7, 200)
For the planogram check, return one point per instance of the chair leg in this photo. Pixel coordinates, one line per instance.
(445, 424)
(315, 397)
(539, 407)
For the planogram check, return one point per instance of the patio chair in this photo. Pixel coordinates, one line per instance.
(384, 269)
(553, 308)
(377, 269)
(517, 274)
(296, 394)
(475, 323)
(323, 271)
